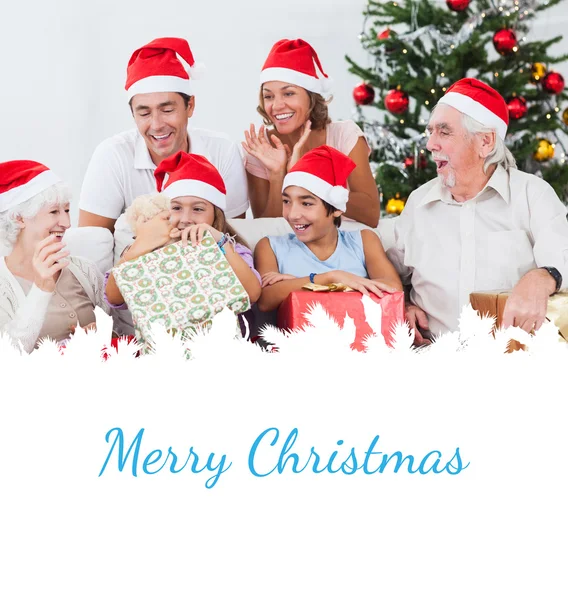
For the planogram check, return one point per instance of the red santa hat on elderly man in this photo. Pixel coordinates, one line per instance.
(186, 174)
(480, 102)
(21, 180)
(324, 172)
(156, 67)
(296, 62)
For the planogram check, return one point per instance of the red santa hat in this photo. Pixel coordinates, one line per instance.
(156, 68)
(21, 180)
(324, 172)
(480, 102)
(186, 174)
(295, 62)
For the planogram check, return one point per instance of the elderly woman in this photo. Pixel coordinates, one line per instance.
(293, 85)
(43, 291)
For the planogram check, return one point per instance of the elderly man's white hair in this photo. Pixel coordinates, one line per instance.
(500, 155)
(56, 195)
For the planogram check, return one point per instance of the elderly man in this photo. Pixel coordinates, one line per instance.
(481, 224)
(161, 99)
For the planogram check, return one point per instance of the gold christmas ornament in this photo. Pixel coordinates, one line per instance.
(395, 205)
(538, 71)
(544, 150)
(565, 116)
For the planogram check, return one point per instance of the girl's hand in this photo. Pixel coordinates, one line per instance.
(273, 156)
(363, 285)
(48, 260)
(273, 277)
(195, 233)
(299, 145)
(154, 233)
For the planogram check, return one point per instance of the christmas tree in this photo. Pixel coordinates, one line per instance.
(420, 47)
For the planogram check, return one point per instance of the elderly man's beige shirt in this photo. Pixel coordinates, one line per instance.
(447, 249)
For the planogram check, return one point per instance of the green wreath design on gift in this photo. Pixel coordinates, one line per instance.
(238, 305)
(170, 250)
(177, 305)
(198, 299)
(133, 272)
(145, 297)
(216, 297)
(238, 290)
(171, 264)
(183, 275)
(163, 281)
(184, 289)
(222, 266)
(161, 319)
(126, 288)
(199, 314)
(208, 257)
(137, 313)
(223, 281)
(201, 273)
(158, 307)
(145, 282)
(208, 241)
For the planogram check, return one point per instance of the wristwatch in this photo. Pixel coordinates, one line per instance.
(555, 273)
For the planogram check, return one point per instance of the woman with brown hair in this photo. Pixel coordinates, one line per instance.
(293, 85)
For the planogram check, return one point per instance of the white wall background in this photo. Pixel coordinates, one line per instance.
(63, 64)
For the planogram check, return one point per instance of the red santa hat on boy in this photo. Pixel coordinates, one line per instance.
(324, 172)
(186, 174)
(156, 68)
(480, 102)
(21, 180)
(296, 62)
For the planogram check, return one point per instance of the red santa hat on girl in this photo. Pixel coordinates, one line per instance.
(21, 180)
(480, 102)
(324, 172)
(186, 174)
(295, 62)
(156, 68)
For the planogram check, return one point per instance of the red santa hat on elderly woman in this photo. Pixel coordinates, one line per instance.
(324, 172)
(186, 174)
(295, 62)
(480, 102)
(156, 67)
(21, 180)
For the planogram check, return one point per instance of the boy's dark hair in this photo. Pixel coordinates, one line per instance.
(331, 209)
(185, 97)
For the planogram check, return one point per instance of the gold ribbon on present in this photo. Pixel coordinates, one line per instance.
(332, 287)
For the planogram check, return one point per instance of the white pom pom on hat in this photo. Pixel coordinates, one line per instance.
(323, 171)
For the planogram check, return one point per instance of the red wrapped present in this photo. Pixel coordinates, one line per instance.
(337, 305)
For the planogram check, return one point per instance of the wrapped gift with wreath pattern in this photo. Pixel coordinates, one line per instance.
(180, 288)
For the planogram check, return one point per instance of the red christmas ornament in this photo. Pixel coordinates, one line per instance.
(517, 106)
(396, 102)
(458, 5)
(504, 41)
(384, 35)
(553, 83)
(409, 162)
(363, 94)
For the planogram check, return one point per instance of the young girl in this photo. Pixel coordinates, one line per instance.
(198, 197)
(314, 196)
(293, 91)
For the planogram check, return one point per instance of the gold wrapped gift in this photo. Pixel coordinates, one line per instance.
(332, 287)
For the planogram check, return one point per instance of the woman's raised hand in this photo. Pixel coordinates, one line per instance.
(299, 145)
(273, 156)
(48, 260)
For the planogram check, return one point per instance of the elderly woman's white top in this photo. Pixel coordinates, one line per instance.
(22, 316)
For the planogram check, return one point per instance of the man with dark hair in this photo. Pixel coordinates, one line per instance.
(161, 100)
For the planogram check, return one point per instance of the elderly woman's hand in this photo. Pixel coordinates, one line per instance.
(48, 260)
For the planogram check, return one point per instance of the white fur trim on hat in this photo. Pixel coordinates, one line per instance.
(475, 110)
(193, 187)
(318, 86)
(197, 71)
(336, 195)
(160, 83)
(25, 192)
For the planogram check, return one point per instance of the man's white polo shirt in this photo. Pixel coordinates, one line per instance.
(121, 169)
